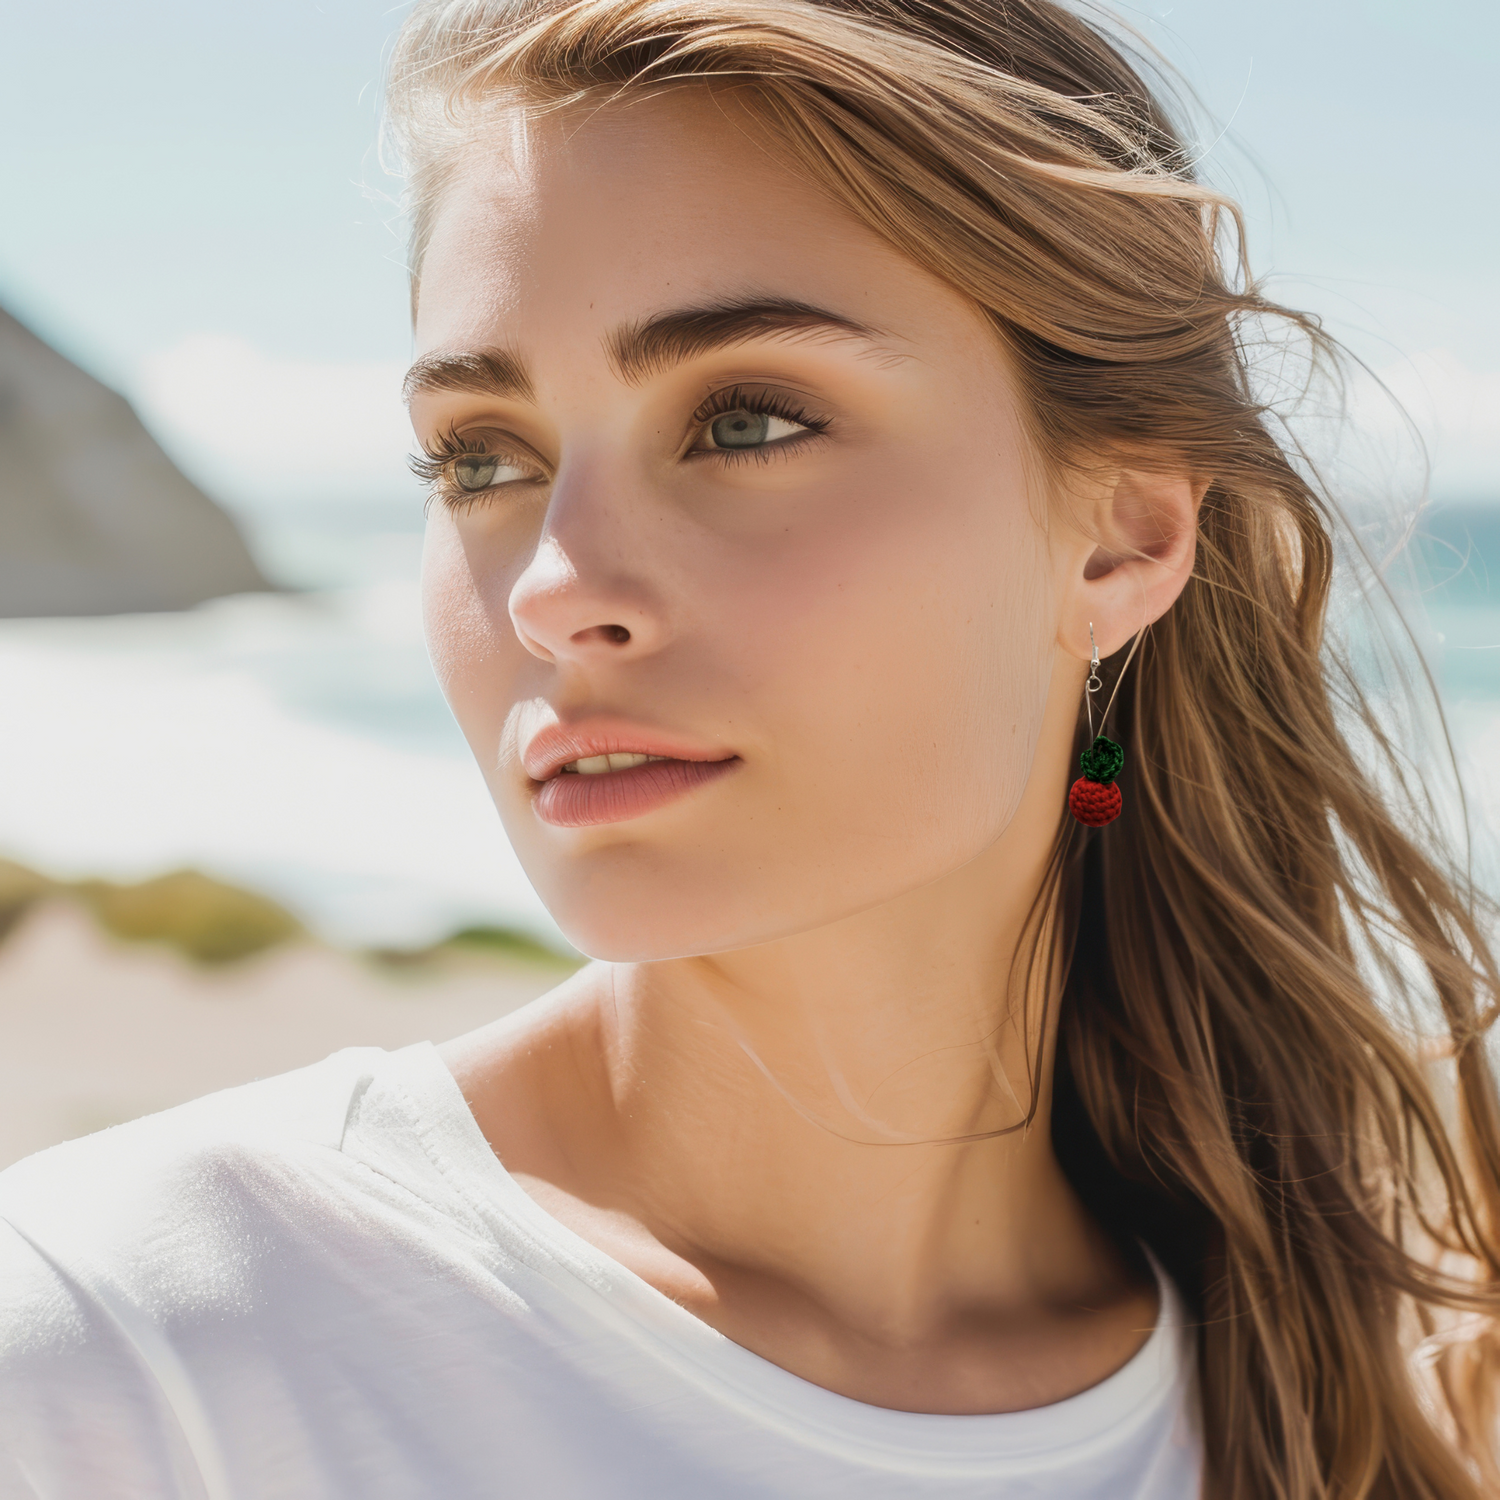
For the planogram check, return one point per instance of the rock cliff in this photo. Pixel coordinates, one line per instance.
(94, 518)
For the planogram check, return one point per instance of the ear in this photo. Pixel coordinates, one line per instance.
(1126, 569)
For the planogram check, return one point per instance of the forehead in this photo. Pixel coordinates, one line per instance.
(568, 221)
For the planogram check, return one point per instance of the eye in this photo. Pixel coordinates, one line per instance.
(750, 429)
(459, 471)
(482, 471)
(748, 422)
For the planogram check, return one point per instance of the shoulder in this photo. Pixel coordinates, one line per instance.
(304, 1109)
(113, 1245)
(152, 1199)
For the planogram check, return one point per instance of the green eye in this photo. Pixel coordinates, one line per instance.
(740, 429)
(751, 429)
(475, 471)
(481, 471)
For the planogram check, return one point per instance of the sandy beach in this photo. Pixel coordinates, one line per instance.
(94, 1032)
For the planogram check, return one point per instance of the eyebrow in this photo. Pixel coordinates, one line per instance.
(478, 372)
(640, 350)
(672, 338)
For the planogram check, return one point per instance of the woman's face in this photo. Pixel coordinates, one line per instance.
(728, 481)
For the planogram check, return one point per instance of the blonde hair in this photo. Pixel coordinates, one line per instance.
(1234, 1086)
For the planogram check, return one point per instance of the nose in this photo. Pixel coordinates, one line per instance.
(578, 600)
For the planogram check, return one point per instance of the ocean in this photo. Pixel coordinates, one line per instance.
(297, 743)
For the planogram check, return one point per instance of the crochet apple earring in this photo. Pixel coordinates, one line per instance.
(1094, 798)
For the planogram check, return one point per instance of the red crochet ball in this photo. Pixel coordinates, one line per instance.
(1093, 802)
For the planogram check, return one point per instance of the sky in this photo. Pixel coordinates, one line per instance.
(192, 207)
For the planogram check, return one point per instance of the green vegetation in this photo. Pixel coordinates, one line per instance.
(19, 888)
(502, 943)
(216, 923)
(208, 920)
(506, 943)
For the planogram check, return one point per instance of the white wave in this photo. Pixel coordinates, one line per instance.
(144, 744)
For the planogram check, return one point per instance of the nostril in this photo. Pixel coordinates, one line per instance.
(615, 634)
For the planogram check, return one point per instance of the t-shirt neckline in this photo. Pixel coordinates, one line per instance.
(607, 1292)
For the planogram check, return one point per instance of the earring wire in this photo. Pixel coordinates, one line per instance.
(1094, 682)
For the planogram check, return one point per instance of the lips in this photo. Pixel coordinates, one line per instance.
(610, 771)
(613, 796)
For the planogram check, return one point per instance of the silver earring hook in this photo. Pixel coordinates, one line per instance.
(1094, 682)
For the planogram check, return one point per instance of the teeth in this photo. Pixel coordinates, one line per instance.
(626, 761)
(597, 765)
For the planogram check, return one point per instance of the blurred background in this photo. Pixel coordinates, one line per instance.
(238, 827)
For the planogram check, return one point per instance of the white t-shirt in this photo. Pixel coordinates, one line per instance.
(325, 1285)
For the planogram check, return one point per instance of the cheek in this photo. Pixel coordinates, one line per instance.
(466, 640)
(897, 654)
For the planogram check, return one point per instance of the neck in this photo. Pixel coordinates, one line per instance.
(860, 1111)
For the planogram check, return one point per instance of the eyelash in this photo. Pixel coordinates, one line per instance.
(769, 403)
(433, 466)
(434, 469)
(430, 467)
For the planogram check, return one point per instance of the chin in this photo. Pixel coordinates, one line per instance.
(634, 904)
(622, 908)
(647, 893)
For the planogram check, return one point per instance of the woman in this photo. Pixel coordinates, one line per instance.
(811, 395)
